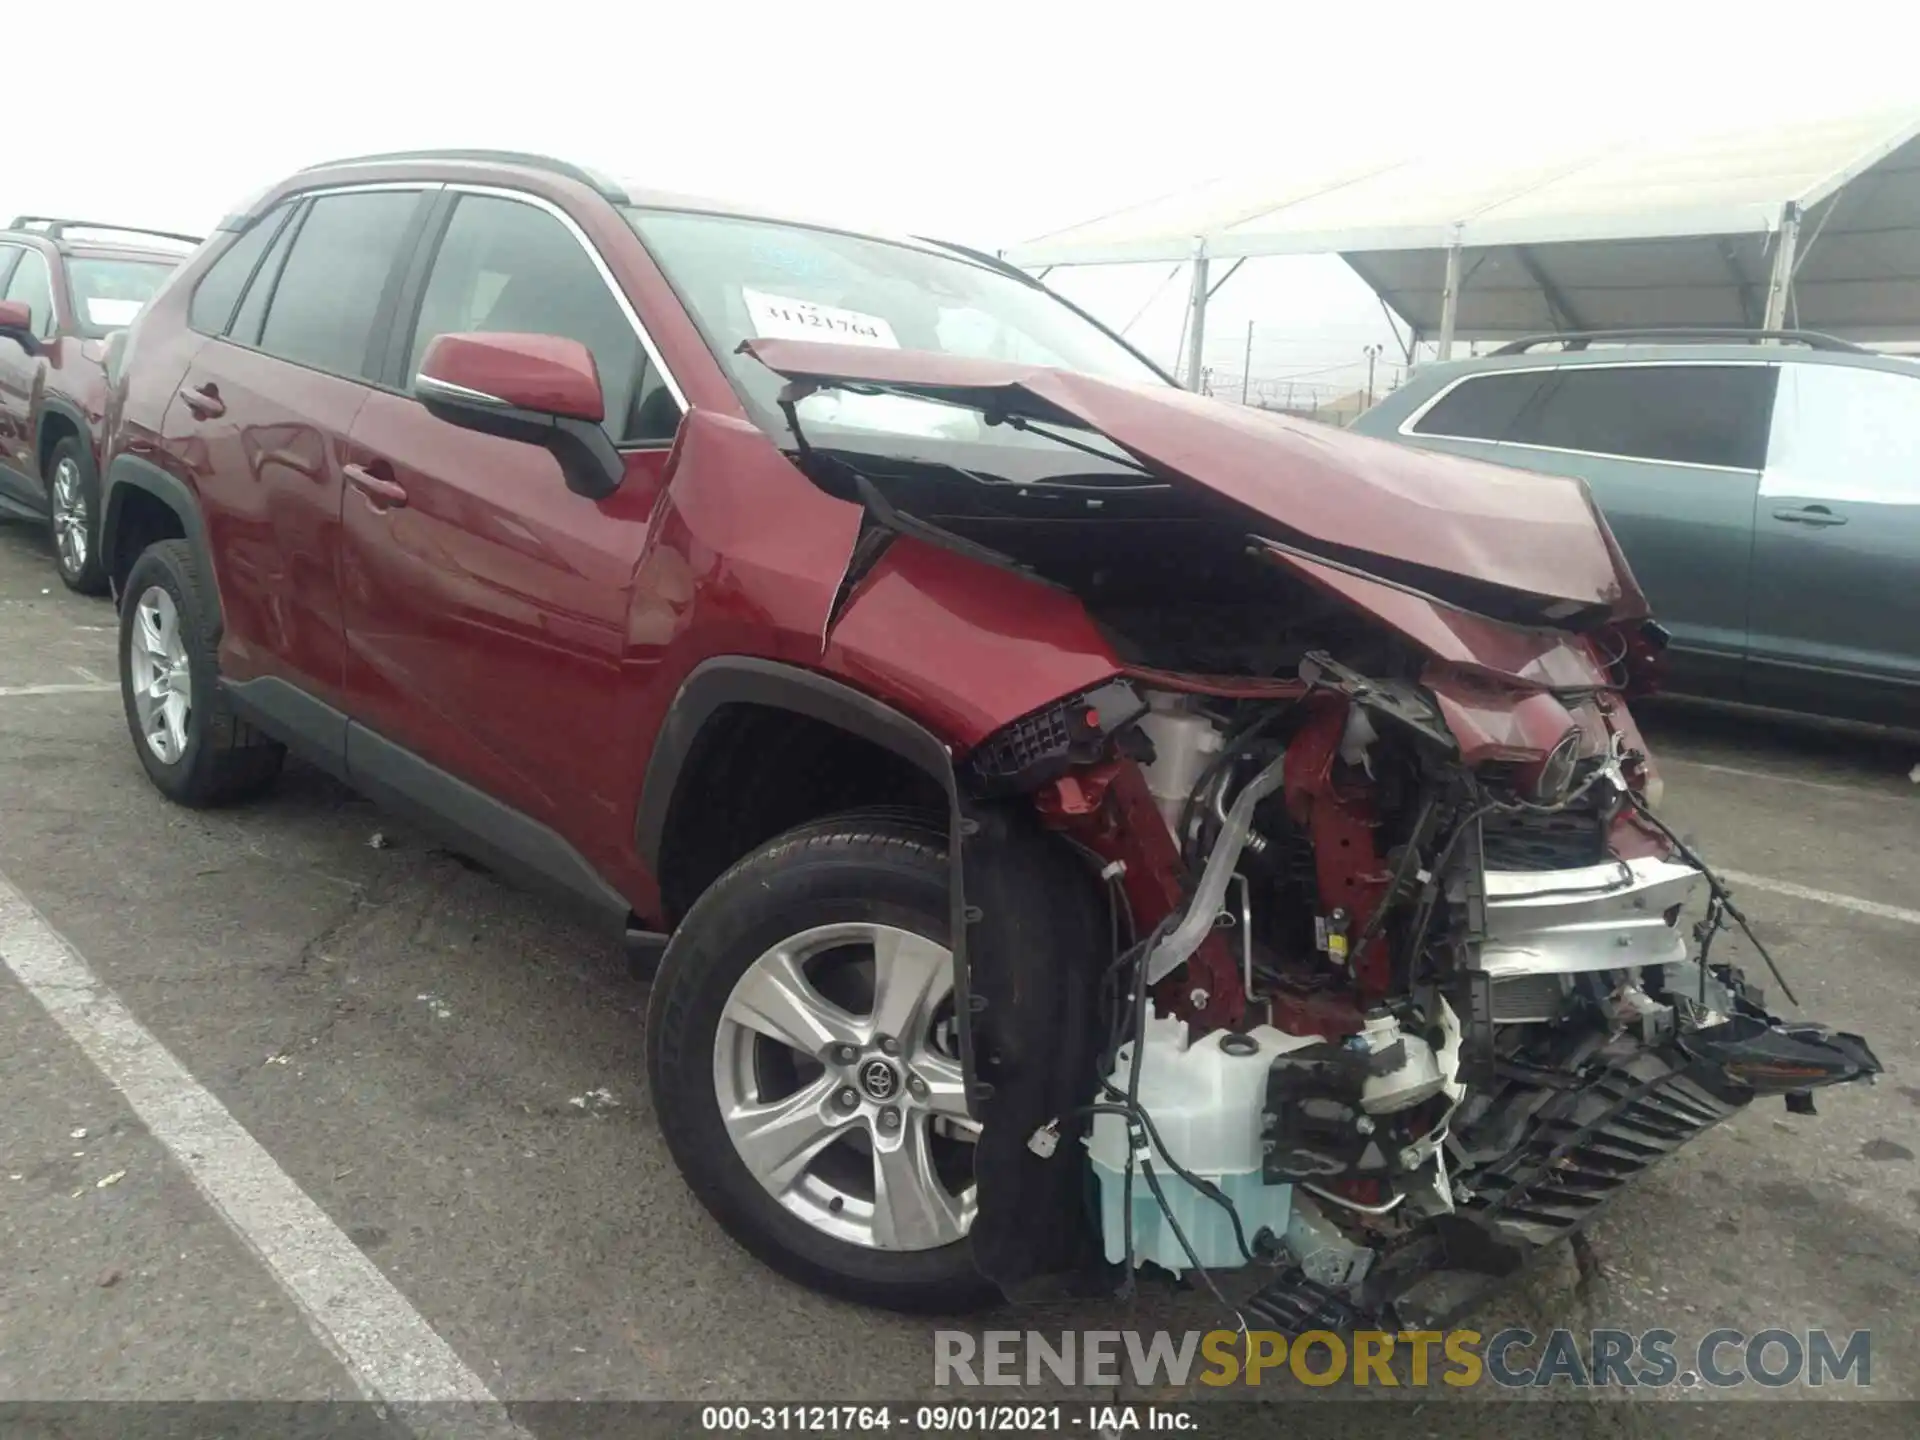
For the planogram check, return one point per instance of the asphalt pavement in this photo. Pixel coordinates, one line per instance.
(299, 1098)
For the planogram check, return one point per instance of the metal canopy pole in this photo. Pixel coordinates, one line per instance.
(1781, 286)
(1450, 300)
(1197, 315)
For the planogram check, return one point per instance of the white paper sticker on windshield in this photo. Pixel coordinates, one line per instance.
(775, 317)
(102, 310)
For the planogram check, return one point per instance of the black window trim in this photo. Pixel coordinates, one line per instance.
(373, 371)
(278, 217)
(1407, 430)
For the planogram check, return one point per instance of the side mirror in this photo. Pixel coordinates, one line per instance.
(16, 324)
(539, 389)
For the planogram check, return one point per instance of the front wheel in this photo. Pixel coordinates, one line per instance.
(803, 1054)
(73, 508)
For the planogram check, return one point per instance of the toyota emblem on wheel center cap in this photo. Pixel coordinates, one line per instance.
(878, 1080)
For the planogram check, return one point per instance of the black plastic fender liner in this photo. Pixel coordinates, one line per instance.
(1037, 941)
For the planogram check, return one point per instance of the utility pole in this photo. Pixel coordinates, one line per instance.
(1373, 354)
(1246, 366)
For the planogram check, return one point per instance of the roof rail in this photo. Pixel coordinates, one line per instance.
(606, 188)
(1681, 334)
(54, 228)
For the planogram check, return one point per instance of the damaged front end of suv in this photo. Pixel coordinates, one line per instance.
(1402, 976)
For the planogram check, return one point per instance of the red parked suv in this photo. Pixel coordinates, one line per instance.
(1076, 823)
(66, 287)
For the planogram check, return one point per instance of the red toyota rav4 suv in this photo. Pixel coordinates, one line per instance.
(66, 287)
(917, 667)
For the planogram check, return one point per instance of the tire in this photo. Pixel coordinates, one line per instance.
(73, 517)
(830, 893)
(197, 752)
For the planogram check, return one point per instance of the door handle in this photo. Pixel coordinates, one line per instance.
(205, 402)
(383, 492)
(1814, 515)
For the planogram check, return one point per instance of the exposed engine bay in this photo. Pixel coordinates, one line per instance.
(1408, 980)
(1405, 977)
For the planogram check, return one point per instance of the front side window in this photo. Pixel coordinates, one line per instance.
(328, 293)
(1844, 433)
(509, 267)
(108, 293)
(741, 279)
(1686, 414)
(9, 257)
(32, 285)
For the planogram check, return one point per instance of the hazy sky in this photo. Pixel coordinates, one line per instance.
(987, 122)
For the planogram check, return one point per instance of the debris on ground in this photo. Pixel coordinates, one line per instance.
(379, 841)
(109, 1279)
(595, 1100)
(441, 1010)
(78, 1134)
(114, 1179)
(1914, 775)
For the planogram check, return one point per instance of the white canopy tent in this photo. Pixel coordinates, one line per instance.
(1815, 225)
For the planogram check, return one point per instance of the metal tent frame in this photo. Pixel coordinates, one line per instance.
(1814, 225)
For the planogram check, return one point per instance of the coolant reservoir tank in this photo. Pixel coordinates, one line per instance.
(1205, 1099)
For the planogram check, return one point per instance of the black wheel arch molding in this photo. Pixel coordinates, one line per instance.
(127, 474)
(74, 416)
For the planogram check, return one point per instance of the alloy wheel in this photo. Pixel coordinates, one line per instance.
(69, 516)
(157, 669)
(836, 1069)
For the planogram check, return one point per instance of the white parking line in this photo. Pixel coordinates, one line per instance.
(67, 687)
(1822, 897)
(1858, 792)
(390, 1350)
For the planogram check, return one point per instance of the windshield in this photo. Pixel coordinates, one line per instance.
(107, 294)
(742, 279)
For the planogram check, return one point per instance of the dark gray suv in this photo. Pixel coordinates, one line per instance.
(1765, 488)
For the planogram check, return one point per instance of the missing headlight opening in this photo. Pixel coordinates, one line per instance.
(1400, 987)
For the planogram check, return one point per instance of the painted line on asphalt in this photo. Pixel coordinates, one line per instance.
(67, 687)
(1857, 792)
(386, 1345)
(1822, 897)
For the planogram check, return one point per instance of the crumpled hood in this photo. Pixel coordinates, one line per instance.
(1535, 534)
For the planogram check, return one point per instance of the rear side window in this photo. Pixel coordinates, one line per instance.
(245, 329)
(1482, 407)
(506, 266)
(328, 294)
(219, 289)
(1689, 414)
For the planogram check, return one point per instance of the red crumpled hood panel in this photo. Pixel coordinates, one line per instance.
(1537, 534)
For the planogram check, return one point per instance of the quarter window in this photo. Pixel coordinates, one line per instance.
(508, 267)
(1844, 433)
(219, 289)
(328, 295)
(33, 284)
(1689, 414)
(1482, 407)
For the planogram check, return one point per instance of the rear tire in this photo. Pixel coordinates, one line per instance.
(862, 901)
(73, 517)
(194, 748)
